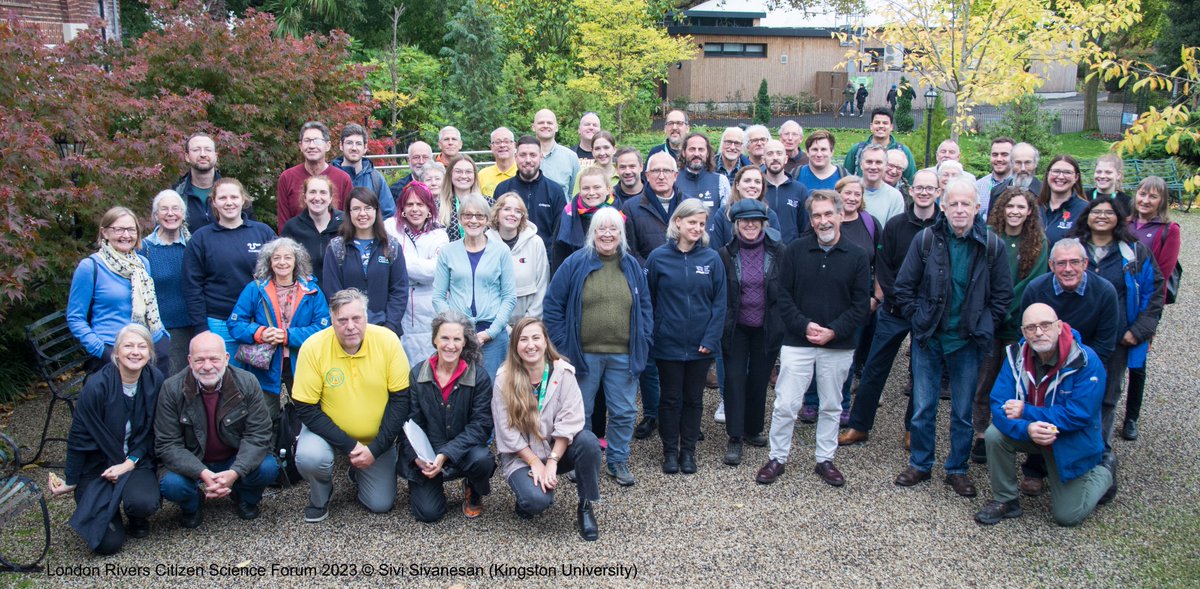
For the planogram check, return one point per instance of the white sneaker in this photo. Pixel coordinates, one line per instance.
(719, 416)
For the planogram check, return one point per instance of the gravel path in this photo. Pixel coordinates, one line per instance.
(718, 528)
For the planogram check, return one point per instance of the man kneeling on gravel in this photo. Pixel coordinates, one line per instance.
(1047, 402)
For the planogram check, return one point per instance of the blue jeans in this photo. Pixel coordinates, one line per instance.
(648, 382)
(184, 491)
(928, 362)
(620, 395)
(494, 352)
(221, 328)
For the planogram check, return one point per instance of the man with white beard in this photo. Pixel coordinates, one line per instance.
(1024, 172)
(1030, 415)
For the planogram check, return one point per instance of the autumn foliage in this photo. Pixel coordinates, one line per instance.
(132, 107)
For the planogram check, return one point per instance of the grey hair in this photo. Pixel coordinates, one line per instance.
(158, 201)
(899, 152)
(346, 296)
(262, 267)
(871, 147)
(754, 128)
(133, 329)
(736, 131)
(474, 201)
(1068, 242)
(949, 164)
(826, 195)
(607, 216)
(433, 165)
(471, 351)
(1037, 155)
(791, 122)
(960, 184)
(315, 125)
(665, 156)
(442, 132)
(687, 208)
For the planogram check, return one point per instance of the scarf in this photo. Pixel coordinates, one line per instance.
(129, 266)
(585, 212)
(1037, 394)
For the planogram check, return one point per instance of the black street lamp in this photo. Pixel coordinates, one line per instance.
(931, 96)
(67, 147)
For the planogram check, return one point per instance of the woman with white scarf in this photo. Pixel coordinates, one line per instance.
(111, 289)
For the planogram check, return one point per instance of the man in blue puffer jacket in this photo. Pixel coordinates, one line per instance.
(1047, 402)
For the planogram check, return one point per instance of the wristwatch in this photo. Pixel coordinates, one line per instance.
(553, 456)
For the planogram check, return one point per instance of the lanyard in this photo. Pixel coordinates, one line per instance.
(541, 393)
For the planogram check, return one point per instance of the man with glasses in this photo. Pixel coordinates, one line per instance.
(891, 326)
(449, 144)
(731, 159)
(1087, 302)
(419, 154)
(792, 136)
(503, 145)
(314, 145)
(1024, 162)
(893, 173)
(881, 135)
(1046, 402)
(1001, 163)
(676, 128)
(954, 287)
(361, 171)
(757, 137)
(543, 197)
(195, 186)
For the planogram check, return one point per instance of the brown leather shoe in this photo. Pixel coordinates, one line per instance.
(711, 379)
(852, 436)
(829, 473)
(908, 441)
(769, 472)
(911, 476)
(961, 484)
(1032, 486)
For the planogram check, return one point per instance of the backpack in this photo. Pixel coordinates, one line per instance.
(338, 246)
(994, 245)
(1176, 275)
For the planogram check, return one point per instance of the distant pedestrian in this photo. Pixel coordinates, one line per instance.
(892, 96)
(861, 98)
(847, 100)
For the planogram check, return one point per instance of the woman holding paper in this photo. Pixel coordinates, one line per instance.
(538, 411)
(449, 397)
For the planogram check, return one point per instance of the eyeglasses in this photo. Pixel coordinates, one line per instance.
(924, 189)
(660, 172)
(313, 141)
(1074, 262)
(758, 140)
(501, 142)
(1033, 329)
(1103, 213)
(472, 216)
(732, 143)
(123, 230)
(895, 168)
(1062, 173)
(676, 123)
(362, 209)
(607, 231)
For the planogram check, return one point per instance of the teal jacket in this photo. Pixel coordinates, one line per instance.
(492, 286)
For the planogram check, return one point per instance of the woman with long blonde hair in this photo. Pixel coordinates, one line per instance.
(537, 409)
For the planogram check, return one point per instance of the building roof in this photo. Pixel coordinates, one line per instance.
(819, 17)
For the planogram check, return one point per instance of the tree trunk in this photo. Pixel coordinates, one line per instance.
(1091, 110)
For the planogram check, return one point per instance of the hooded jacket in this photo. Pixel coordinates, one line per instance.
(420, 260)
(1132, 271)
(256, 310)
(1072, 404)
(369, 177)
(545, 200)
(531, 272)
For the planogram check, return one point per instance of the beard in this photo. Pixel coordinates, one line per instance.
(210, 381)
(1042, 347)
(826, 236)
(1022, 180)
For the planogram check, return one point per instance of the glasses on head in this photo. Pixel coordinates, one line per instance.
(1033, 329)
(1072, 262)
(660, 172)
(1103, 213)
(472, 216)
(1062, 173)
(123, 230)
(362, 209)
(313, 141)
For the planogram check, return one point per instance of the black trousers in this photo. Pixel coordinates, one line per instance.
(139, 499)
(582, 456)
(428, 497)
(682, 402)
(748, 366)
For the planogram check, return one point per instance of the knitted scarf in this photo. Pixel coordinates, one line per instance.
(585, 212)
(130, 267)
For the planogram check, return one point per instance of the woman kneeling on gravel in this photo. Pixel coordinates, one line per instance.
(538, 411)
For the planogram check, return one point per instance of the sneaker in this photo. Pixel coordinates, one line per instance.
(1032, 486)
(719, 415)
(313, 514)
(472, 502)
(995, 511)
(808, 414)
(979, 452)
(622, 474)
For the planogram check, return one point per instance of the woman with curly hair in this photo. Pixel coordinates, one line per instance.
(1014, 217)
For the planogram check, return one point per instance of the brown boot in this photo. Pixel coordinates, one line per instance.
(852, 436)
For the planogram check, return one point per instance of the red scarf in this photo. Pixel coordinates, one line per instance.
(1037, 395)
(448, 385)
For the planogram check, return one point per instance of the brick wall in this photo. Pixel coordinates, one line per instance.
(50, 15)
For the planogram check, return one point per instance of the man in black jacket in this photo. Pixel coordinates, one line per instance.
(891, 326)
(821, 299)
(543, 197)
(350, 382)
(955, 288)
(211, 396)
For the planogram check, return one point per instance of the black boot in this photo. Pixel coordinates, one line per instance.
(733, 452)
(588, 529)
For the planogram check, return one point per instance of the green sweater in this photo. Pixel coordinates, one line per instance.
(607, 301)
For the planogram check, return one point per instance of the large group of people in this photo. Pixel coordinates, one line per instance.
(409, 326)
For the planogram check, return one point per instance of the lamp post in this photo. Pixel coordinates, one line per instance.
(67, 146)
(365, 97)
(931, 96)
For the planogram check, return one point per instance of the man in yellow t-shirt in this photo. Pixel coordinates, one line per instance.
(504, 153)
(350, 379)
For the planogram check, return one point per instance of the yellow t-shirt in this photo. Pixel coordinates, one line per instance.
(352, 390)
(491, 177)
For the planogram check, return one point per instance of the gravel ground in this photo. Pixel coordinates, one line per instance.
(718, 528)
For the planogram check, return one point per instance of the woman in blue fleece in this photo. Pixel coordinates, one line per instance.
(365, 257)
(475, 276)
(220, 260)
(111, 289)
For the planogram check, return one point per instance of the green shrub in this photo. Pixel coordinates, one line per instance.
(762, 105)
(903, 116)
(1025, 120)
